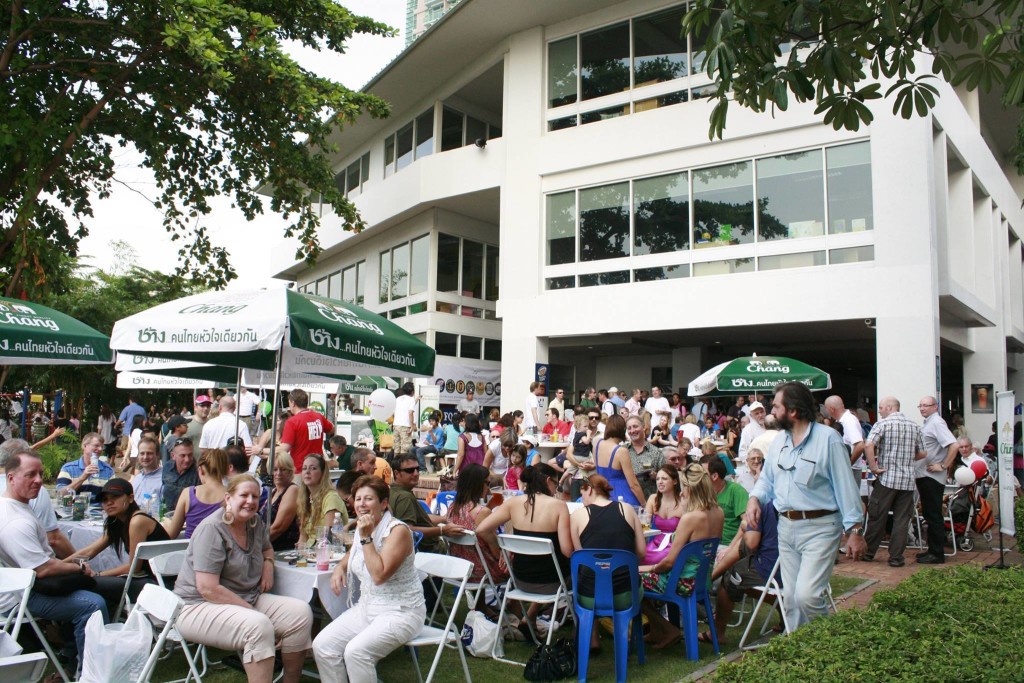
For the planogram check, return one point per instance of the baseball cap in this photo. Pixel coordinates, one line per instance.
(177, 421)
(755, 405)
(613, 390)
(203, 399)
(116, 487)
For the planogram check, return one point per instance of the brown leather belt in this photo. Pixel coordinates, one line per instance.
(806, 514)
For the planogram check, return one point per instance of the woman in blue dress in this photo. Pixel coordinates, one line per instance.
(614, 463)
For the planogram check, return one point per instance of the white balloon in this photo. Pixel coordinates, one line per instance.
(382, 404)
(964, 476)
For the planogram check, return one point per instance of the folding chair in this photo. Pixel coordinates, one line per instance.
(20, 582)
(159, 605)
(474, 589)
(704, 551)
(143, 553)
(447, 569)
(529, 545)
(28, 668)
(169, 564)
(772, 587)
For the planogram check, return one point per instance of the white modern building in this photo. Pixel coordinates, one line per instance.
(422, 14)
(545, 192)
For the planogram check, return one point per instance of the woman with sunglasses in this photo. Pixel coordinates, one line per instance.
(747, 476)
(703, 519)
(319, 504)
(203, 500)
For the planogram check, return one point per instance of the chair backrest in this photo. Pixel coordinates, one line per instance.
(604, 563)
(470, 539)
(442, 501)
(167, 564)
(443, 566)
(150, 549)
(704, 551)
(18, 582)
(160, 606)
(417, 536)
(28, 668)
(528, 545)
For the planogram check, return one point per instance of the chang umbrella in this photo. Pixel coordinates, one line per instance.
(31, 334)
(757, 374)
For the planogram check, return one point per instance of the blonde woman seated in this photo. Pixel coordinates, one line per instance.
(225, 584)
(319, 504)
(196, 503)
(391, 608)
(703, 519)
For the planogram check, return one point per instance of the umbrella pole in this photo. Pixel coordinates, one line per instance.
(238, 392)
(273, 421)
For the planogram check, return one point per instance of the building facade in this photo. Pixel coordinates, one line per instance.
(545, 192)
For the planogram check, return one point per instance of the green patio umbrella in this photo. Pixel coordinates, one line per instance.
(32, 334)
(756, 375)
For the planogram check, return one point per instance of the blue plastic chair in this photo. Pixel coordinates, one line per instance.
(604, 563)
(423, 504)
(417, 536)
(704, 550)
(442, 501)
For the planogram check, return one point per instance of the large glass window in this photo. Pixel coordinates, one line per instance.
(400, 271)
(348, 285)
(561, 228)
(446, 344)
(850, 207)
(385, 276)
(604, 59)
(447, 264)
(619, 277)
(791, 196)
(492, 349)
(470, 347)
(334, 286)
(425, 134)
(451, 129)
(472, 269)
(491, 273)
(723, 205)
(403, 143)
(321, 287)
(562, 72)
(661, 214)
(604, 222)
(360, 283)
(419, 265)
(664, 273)
(659, 48)
(389, 155)
(353, 173)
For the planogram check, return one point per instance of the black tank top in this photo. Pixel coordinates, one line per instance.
(607, 529)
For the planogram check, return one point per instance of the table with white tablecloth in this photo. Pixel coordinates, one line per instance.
(300, 582)
(84, 533)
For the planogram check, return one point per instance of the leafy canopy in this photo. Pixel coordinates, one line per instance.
(834, 52)
(203, 90)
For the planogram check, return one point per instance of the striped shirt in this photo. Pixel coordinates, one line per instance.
(897, 442)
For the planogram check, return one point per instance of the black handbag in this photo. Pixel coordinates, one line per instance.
(63, 584)
(552, 662)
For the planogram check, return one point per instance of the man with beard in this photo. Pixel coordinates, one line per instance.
(807, 476)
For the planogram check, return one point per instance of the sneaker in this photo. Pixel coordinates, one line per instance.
(867, 558)
(928, 558)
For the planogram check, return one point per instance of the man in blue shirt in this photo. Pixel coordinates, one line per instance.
(88, 474)
(807, 475)
(746, 563)
(129, 412)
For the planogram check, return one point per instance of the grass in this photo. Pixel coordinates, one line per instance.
(664, 665)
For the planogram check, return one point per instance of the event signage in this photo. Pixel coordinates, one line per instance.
(1004, 444)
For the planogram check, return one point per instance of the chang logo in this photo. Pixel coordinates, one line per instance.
(219, 309)
(772, 366)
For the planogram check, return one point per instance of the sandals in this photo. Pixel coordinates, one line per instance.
(705, 637)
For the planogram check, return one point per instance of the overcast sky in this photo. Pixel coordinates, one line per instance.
(252, 245)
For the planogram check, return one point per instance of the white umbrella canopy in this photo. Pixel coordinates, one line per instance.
(205, 375)
(274, 329)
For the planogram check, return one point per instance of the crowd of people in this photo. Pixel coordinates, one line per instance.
(781, 483)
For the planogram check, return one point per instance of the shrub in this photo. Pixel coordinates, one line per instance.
(960, 624)
(64, 448)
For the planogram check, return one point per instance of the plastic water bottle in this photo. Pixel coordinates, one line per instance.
(147, 503)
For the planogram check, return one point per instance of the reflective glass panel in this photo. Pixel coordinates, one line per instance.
(604, 222)
(741, 265)
(400, 271)
(659, 48)
(492, 349)
(780, 261)
(447, 263)
(850, 208)
(360, 283)
(475, 130)
(404, 145)
(663, 273)
(723, 205)
(618, 277)
(451, 129)
(472, 269)
(561, 228)
(334, 286)
(419, 265)
(562, 72)
(791, 196)
(385, 276)
(604, 58)
(471, 347)
(446, 344)
(567, 282)
(491, 273)
(389, 156)
(348, 284)
(425, 134)
(852, 254)
(661, 214)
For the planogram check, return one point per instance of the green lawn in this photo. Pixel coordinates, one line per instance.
(661, 666)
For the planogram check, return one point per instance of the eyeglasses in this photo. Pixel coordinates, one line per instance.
(779, 462)
(593, 418)
(183, 440)
(409, 470)
(755, 459)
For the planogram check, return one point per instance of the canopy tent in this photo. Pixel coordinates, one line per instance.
(32, 334)
(757, 375)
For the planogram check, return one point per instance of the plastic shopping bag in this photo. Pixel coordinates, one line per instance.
(116, 653)
(479, 636)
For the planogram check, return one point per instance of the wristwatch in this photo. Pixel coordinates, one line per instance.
(364, 541)
(441, 528)
(856, 529)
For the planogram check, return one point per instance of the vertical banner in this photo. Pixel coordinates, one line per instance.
(1004, 445)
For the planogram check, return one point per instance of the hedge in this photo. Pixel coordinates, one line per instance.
(959, 624)
(63, 449)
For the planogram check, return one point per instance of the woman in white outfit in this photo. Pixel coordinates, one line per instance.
(391, 609)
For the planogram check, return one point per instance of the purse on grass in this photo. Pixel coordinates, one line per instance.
(552, 662)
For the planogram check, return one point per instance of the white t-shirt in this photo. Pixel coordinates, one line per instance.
(403, 404)
(691, 432)
(220, 429)
(41, 506)
(532, 404)
(655, 404)
(22, 544)
(747, 436)
(852, 435)
(247, 402)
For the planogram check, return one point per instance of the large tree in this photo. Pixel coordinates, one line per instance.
(839, 52)
(202, 90)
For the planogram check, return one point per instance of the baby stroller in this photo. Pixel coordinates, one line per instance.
(967, 511)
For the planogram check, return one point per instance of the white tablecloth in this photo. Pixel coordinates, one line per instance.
(299, 582)
(81, 534)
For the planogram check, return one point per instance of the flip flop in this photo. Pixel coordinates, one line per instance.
(705, 637)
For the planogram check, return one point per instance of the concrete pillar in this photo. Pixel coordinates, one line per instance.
(986, 365)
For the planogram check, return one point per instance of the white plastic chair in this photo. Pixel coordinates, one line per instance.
(143, 553)
(20, 582)
(28, 668)
(447, 569)
(529, 545)
(474, 589)
(159, 605)
(169, 564)
(773, 588)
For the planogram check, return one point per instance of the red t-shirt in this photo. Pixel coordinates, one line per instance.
(304, 432)
(562, 428)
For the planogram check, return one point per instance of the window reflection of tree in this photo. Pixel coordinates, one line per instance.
(604, 229)
(561, 249)
(661, 214)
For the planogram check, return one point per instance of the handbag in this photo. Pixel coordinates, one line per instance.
(552, 662)
(64, 584)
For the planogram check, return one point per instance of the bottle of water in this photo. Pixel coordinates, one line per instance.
(147, 504)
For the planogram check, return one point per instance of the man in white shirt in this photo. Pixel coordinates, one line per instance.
(633, 405)
(531, 416)
(221, 429)
(658, 406)
(24, 544)
(558, 402)
(690, 430)
(754, 429)
(405, 418)
(469, 404)
(41, 505)
(247, 402)
(853, 435)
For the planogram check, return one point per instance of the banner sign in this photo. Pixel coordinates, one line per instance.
(453, 379)
(1004, 445)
